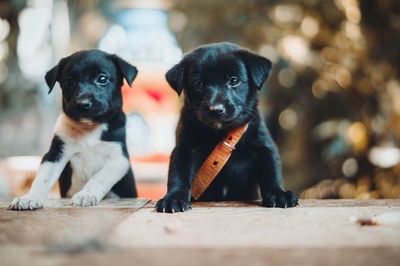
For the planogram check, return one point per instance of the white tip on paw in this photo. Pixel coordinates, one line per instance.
(25, 203)
(84, 199)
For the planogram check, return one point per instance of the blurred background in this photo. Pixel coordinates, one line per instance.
(332, 102)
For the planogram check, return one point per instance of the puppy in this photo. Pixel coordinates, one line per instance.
(88, 153)
(221, 82)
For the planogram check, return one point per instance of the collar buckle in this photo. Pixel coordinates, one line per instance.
(229, 145)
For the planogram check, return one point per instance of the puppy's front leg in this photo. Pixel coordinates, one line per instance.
(270, 180)
(49, 171)
(182, 169)
(102, 182)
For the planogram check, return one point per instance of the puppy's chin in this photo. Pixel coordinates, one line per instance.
(98, 110)
(217, 124)
(86, 121)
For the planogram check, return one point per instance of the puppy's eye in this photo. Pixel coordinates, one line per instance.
(102, 79)
(199, 85)
(68, 83)
(234, 82)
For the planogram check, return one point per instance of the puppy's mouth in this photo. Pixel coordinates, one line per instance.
(217, 122)
(85, 111)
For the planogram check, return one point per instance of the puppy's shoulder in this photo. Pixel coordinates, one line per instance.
(116, 129)
(258, 134)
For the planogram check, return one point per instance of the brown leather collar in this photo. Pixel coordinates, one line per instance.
(215, 161)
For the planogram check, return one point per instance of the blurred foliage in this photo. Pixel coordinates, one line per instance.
(333, 100)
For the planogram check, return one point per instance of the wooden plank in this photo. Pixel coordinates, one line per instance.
(387, 256)
(314, 224)
(66, 203)
(240, 257)
(233, 233)
(59, 222)
(309, 203)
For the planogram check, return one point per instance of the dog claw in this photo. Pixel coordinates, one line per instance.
(172, 203)
(280, 199)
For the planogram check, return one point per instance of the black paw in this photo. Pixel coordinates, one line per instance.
(280, 199)
(174, 202)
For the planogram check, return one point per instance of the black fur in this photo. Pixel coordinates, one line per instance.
(55, 151)
(87, 67)
(126, 186)
(226, 78)
(65, 180)
(81, 77)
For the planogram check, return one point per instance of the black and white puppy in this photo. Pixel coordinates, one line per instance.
(88, 154)
(221, 83)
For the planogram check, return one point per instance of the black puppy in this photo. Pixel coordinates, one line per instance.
(221, 83)
(88, 153)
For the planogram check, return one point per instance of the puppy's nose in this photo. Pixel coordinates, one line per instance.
(217, 109)
(84, 104)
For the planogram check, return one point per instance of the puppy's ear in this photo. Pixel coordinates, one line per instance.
(52, 76)
(128, 71)
(175, 77)
(259, 67)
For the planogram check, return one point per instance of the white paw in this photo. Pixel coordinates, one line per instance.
(26, 203)
(84, 199)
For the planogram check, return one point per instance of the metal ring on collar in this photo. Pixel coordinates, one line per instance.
(228, 145)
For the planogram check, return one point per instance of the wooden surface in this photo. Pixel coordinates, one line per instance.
(129, 232)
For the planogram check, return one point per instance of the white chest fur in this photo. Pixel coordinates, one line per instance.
(88, 153)
(97, 165)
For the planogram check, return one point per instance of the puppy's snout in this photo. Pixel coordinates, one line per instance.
(84, 104)
(217, 109)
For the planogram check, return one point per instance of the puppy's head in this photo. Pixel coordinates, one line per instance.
(220, 83)
(91, 83)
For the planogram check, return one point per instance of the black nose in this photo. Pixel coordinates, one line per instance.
(217, 109)
(84, 104)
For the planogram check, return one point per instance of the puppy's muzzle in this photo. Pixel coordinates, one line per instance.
(84, 104)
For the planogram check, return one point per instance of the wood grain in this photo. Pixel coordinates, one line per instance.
(225, 233)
